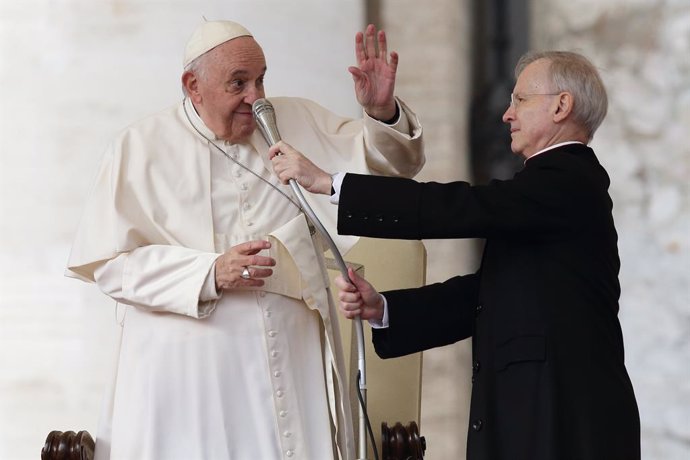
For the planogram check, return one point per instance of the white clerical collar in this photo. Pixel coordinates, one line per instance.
(551, 147)
(196, 120)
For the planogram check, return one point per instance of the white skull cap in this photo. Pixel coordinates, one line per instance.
(210, 34)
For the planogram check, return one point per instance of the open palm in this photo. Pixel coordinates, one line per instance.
(374, 76)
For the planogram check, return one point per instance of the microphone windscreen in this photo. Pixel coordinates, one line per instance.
(265, 118)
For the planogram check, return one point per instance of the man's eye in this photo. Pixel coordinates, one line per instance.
(237, 84)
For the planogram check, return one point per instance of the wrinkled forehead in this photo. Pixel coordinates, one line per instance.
(239, 53)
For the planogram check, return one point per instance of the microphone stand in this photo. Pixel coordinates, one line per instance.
(264, 116)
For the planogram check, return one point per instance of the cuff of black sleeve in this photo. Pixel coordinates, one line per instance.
(393, 120)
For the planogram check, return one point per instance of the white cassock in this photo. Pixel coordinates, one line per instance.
(247, 374)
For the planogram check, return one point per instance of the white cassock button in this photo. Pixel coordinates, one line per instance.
(287, 434)
(289, 453)
(238, 172)
(283, 413)
(272, 333)
(243, 186)
(277, 374)
(274, 353)
(279, 393)
(246, 206)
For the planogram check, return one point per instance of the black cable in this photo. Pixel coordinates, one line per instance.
(366, 417)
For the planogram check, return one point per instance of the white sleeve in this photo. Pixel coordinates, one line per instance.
(401, 123)
(384, 321)
(162, 278)
(337, 185)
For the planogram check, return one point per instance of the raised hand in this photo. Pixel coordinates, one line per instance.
(374, 75)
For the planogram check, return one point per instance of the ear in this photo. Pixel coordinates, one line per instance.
(564, 107)
(191, 84)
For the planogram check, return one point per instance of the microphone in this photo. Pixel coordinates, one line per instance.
(265, 118)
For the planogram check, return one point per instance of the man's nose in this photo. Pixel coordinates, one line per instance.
(253, 93)
(509, 114)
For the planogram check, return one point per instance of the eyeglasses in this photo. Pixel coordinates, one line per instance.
(517, 99)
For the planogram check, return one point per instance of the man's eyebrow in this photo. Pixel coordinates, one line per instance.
(238, 73)
(243, 72)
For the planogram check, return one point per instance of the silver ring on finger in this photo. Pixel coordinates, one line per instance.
(245, 273)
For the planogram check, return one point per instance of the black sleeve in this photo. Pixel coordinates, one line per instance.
(427, 317)
(546, 199)
(379, 207)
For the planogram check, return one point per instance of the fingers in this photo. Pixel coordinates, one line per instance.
(371, 45)
(344, 284)
(251, 247)
(393, 63)
(257, 273)
(348, 293)
(284, 158)
(279, 148)
(351, 310)
(351, 303)
(383, 46)
(351, 314)
(360, 284)
(247, 254)
(295, 165)
(242, 266)
(276, 156)
(370, 42)
(356, 73)
(360, 55)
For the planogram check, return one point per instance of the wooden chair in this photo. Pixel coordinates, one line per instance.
(68, 445)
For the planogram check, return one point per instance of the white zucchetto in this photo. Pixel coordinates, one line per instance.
(209, 35)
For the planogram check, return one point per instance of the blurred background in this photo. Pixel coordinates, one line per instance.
(75, 72)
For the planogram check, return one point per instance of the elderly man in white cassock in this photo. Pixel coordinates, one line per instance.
(228, 345)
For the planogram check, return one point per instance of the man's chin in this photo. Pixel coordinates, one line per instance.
(242, 136)
(516, 149)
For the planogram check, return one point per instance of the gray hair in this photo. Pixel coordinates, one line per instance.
(575, 74)
(198, 67)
